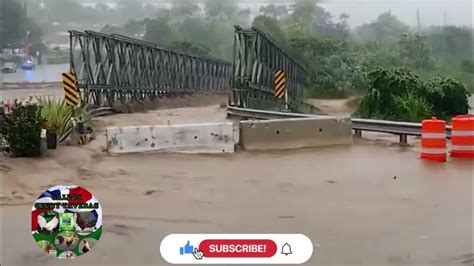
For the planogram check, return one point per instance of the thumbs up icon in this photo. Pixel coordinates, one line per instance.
(187, 249)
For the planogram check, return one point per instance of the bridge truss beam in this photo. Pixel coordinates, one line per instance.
(256, 60)
(112, 68)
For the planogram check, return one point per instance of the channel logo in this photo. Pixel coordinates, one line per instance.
(236, 248)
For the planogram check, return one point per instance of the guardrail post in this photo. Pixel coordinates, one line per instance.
(358, 133)
(403, 139)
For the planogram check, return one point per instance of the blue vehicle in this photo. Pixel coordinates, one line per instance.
(27, 65)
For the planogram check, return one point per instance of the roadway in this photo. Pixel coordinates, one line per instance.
(365, 204)
(12, 93)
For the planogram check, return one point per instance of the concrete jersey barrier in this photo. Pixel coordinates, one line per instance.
(192, 138)
(295, 133)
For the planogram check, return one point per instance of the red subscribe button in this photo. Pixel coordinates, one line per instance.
(238, 248)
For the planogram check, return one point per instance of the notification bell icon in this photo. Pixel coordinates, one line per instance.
(286, 249)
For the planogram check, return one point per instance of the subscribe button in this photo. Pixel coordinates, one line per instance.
(236, 248)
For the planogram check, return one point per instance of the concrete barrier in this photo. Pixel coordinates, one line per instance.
(192, 138)
(295, 133)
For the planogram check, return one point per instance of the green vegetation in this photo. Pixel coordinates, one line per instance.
(57, 116)
(21, 126)
(400, 94)
(402, 73)
(193, 48)
(448, 96)
(339, 59)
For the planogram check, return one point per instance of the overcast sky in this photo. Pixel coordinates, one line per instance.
(432, 12)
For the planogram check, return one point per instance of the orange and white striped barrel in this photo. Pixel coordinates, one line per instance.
(433, 140)
(462, 136)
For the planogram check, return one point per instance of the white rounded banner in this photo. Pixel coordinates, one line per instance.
(236, 248)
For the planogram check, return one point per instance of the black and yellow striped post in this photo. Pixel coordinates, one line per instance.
(71, 92)
(280, 84)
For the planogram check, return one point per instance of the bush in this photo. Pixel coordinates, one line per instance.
(411, 108)
(399, 94)
(56, 114)
(383, 86)
(448, 96)
(21, 129)
(334, 70)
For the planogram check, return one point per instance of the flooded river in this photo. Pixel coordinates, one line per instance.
(365, 204)
(369, 203)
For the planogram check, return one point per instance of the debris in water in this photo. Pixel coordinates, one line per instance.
(149, 192)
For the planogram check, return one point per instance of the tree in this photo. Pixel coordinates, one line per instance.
(451, 42)
(386, 29)
(301, 19)
(321, 21)
(414, 51)
(194, 48)
(309, 18)
(274, 11)
(133, 28)
(13, 24)
(333, 70)
(220, 10)
(194, 29)
(323, 24)
(110, 29)
(272, 27)
(16, 28)
(159, 31)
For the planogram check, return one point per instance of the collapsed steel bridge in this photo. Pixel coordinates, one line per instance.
(257, 58)
(116, 68)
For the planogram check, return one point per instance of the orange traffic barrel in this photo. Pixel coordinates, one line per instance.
(462, 136)
(433, 140)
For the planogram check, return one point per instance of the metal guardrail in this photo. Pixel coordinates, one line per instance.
(394, 127)
(262, 114)
(100, 112)
(403, 129)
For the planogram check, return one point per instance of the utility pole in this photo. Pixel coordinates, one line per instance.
(445, 19)
(26, 52)
(418, 19)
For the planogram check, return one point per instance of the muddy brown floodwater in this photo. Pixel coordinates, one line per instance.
(365, 204)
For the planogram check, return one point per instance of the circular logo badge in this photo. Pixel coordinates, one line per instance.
(66, 221)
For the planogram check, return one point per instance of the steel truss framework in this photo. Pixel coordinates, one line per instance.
(112, 68)
(256, 60)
